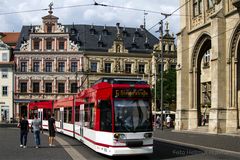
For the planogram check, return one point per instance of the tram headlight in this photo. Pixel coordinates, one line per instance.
(148, 135)
(119, 136)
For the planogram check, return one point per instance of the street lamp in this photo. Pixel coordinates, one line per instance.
(162, 62)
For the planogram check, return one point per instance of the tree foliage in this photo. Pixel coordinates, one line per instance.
(169, 89)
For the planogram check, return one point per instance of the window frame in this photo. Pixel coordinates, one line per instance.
(23, 67)
(61, 66)
(93, 67)
(48, 87)
(107, 67)
(4, 91)
(141, 68)
(48, 67)
(23, 87)
(34, 89)
(61, 89)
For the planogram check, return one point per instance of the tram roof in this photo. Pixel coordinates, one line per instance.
(126, 80)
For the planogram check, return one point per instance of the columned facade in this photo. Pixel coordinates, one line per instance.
(208, 70)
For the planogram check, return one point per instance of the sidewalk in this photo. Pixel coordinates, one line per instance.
(9, 138)
(225, 142)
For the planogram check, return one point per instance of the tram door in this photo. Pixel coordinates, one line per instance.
(40, 115)
(61, 118)
(81, 119)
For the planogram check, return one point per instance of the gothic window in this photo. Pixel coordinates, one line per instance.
(23, 87)
(73, 87)
(108, 67)
(128, 68)
(35, 87)
(169, 47)
(93, 66)
(73, 66)
(210, 4)
(48, 66)
(61, 66)
(36, 45)
(35, 66)
(23, 67)
(4, 90)
(48, 87)
(61, 45)
(141, 68)
(197, 7)
(61, 87)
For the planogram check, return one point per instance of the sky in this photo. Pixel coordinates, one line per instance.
(98, 15)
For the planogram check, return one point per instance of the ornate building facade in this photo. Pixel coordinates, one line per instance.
(6, 82)
(47, 60)
(208, 70)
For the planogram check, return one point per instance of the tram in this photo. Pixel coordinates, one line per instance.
(113, 117)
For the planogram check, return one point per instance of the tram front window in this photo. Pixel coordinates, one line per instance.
(132, 116)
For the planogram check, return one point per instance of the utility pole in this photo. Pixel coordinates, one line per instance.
(162, 62)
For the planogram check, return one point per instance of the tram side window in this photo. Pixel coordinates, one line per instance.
(46, 114)
(105, 116)
(77, 112)
(92, 115)
(89, 115)
(69, 115)
(86, 119)
(32, 113)
(65, 115)
(57, 114)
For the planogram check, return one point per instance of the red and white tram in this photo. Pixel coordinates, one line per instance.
(113, 117)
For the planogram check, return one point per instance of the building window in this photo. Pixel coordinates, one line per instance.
(35, 87)
(197, 7)
(4, 57)
(61, 87)
(23, 66)
(48, 87)
(210, 4)
(49, 45)
(61, 66)
(73, 87)
(108, 67)
(48, 66)
(4, 73)
(73, 66)
(49, 29)
(128, 68)
(36, 45)
(35, 66)
(93, 66)
(61, 45)
(4, 91)
(23, 87)
(141, 68)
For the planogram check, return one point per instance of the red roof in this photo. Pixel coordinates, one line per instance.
(10, 38)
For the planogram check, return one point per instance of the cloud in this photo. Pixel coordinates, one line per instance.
(88, 15)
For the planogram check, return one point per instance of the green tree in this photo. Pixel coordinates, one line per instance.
(169, 89)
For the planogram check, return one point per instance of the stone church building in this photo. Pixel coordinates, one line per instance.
(208, 71)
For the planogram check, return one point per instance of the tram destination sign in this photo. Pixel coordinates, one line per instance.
(131, 93)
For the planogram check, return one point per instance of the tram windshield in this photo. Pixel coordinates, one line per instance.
(132, 116)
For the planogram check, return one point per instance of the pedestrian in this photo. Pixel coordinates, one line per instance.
(158, 122)
(36, 126)
(24, 128)
(168, 119)
(52, 130)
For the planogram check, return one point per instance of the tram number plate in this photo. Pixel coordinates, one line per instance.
(134, 143)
